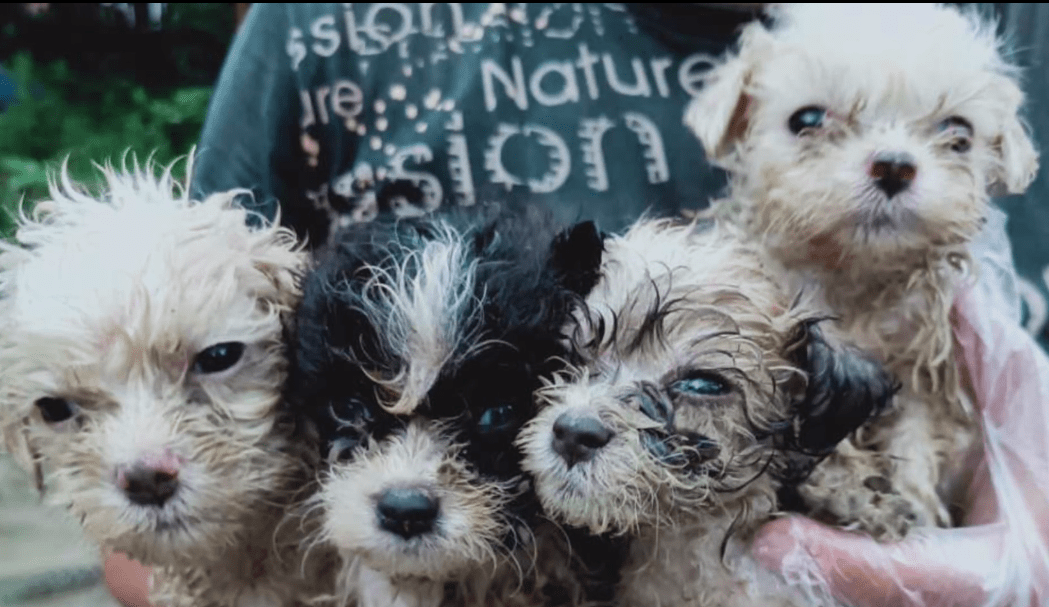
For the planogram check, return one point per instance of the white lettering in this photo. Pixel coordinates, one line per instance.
(690, 73)
(569, 87)
(324, 30)
(295, 48)
(640, 87)
(587, 61)
(515, 89)
(659, 68)
(429, 28)
(560, 161)
(651, 144)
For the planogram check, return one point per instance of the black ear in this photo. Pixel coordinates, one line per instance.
(846, 388)
(575, 256)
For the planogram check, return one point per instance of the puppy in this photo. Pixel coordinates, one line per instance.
(862, 142)
(697, 390)
(141, 367)
(419, 346)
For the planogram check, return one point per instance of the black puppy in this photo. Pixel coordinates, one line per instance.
(419, 346)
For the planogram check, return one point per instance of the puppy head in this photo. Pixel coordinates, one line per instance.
(690, 384)
(866, 129)
(141, 359)
(419, 347)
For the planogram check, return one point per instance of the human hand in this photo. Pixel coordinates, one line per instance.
(1001, 556)
(128, 580)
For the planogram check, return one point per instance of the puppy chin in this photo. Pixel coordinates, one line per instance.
(467, 531)
(203, 517)
(610, 493)
(843, 216)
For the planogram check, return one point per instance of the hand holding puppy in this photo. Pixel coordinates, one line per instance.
(999, 559)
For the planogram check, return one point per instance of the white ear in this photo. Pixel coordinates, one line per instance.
(1018, 158)
(718, 114)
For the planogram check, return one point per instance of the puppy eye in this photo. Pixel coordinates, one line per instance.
(496, 419)
(218, 357)
(55, 410)
(702, 384)
(960, 132)
(808, 117)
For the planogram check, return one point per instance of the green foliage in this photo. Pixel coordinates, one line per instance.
(88, 120)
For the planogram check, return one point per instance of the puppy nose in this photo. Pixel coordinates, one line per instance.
(893, 172)
(576, 439)
(407, 512)
(148, 486)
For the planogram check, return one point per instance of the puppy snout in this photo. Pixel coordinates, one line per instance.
(893, 172)
(407, 512)
(147, 485)
(576, 439)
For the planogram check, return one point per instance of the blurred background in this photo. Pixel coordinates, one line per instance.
(93, 80)
(88, 81)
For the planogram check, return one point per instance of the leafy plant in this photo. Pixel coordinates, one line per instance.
(59, 115)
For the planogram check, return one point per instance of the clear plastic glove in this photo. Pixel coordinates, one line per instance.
(1001, 556)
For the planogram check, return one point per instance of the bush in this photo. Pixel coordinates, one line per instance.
(144, 93)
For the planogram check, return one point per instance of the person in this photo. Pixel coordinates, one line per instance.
(344, 112)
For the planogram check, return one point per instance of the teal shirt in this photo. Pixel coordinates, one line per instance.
(343, 112)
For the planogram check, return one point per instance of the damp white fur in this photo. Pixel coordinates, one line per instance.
(719, 315)
(108, 301)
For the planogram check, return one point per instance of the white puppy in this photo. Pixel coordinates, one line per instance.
(698, 389)
(862, 143)
(141, 365)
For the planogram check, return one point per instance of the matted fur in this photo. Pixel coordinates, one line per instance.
(419, 346)
(106, 301)
(685, 476)
(897, 79)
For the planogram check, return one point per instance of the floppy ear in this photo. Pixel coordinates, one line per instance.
(575, 257)
(718, 115)
(1017, 156)
(846, 387)
(278, 255)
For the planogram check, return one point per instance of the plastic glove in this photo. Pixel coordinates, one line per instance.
(1001, 558)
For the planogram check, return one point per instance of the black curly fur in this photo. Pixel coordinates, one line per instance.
(528, 276)
(846, 388)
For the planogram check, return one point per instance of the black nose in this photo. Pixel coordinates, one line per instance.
(893, 172)
(149, 487)
(576, 439)
(407, 512)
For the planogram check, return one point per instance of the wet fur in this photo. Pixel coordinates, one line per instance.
(408, 333)
(886, 268)
(686, 478)
(107, 299)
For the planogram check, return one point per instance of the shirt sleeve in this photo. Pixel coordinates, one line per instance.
(250, 125)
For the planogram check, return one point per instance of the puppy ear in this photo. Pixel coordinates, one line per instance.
(1017, 156)
(718, 115)
(575, 256)
(846, 387)
(279, 257)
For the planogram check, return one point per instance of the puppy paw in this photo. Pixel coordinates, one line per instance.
(882, 513)
(855, 492)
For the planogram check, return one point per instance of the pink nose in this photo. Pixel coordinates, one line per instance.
(151, 481)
